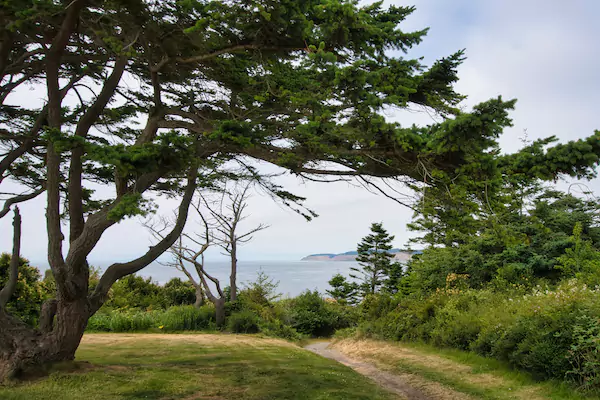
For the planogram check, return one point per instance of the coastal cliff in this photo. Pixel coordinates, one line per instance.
(399, 255)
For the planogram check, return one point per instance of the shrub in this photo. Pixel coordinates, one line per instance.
(550, 333)
(178, 292)
(584, 355)
(133, 291)
(243, 322)
(311, 315)
(278, 329)
(374, 306)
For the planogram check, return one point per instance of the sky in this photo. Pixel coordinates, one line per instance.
(542, 52)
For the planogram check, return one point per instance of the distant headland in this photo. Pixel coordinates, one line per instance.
(399, 255)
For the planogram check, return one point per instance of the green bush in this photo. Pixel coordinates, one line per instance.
(179, 293)
(585, 353)
(26, 301)
(243, 322)
(374, 306)
(311, 315)
(550, 333)
(278, 329)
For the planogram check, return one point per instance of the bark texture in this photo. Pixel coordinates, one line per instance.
(22, 347)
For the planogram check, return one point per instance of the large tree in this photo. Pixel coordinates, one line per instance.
(141, 97)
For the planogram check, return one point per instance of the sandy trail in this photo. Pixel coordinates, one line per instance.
(398, 384)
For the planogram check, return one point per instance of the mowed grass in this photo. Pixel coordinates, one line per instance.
(473, 376)
(203, 366)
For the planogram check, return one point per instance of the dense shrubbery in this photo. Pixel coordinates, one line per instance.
(311, 315)
(256, 310)
(244, 321)
(550, 333)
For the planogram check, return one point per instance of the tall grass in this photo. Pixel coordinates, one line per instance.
(178, 318)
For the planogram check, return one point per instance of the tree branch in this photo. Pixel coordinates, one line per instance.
(18, 199)
(119, 270)
(232, 49)
(91, 115)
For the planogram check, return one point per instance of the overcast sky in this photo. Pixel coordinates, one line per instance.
(542, 52)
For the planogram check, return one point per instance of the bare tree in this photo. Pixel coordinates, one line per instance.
(228, 217)
(220, 223)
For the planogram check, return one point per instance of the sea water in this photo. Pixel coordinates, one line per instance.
(294, 277)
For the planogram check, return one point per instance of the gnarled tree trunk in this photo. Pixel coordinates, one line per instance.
(22, 347)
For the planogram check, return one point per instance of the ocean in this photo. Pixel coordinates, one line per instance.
(294, 277)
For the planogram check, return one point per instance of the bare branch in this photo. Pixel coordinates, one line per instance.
(19, 199)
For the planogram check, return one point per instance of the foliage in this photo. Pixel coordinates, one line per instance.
(519, 246)
(174, 319)
(276, 328)
(581, 260)
(262, 291)
(311, 315)
(243, 322)
(29, 293)
(178, 292)
(585, 353)
(549, 333)
(134, 291)
(377, 269)
(342, 291)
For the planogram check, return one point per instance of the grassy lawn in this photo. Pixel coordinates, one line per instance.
(156, 366)
(474, 376)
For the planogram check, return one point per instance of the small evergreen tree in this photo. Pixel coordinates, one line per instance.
(394, 274)
(377, 269)
(342, 291)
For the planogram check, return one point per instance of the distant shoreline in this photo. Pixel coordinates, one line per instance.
(399, 255)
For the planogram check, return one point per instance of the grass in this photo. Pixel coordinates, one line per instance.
(475, 376)
(205, 366)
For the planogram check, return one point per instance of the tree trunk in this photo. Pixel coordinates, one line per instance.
(220, 312)
(22, 347)
(199, 297)
(233, 276)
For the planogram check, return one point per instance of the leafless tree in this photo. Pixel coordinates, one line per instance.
(220, 222)
(228, 215)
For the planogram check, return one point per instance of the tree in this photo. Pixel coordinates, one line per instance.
(376, 262)
(220, 224)
(516, 244)
(342, 291)
(228, 218)
(299, 84)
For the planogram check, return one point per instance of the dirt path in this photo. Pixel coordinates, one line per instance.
(394, 383)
